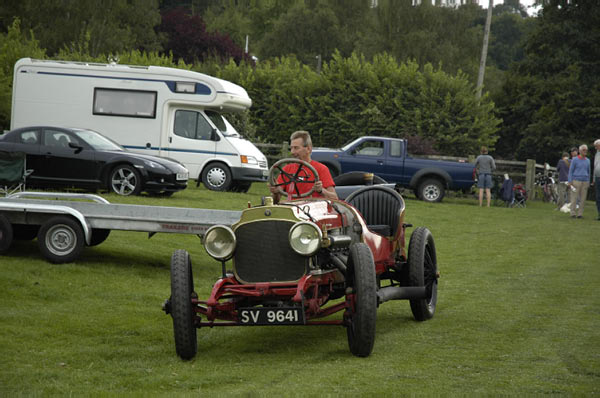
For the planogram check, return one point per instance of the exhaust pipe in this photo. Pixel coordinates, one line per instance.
(402, 293)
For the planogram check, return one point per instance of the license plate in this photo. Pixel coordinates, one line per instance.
(271, 316)
(182, 176)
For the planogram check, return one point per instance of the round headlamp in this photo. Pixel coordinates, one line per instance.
(305, 238)
(219, 242)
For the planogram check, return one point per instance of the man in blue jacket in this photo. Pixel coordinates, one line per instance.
(579, 177)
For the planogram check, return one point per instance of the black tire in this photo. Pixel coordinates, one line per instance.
(217, 177)
(125, 180)
(61, 239)
(356, 178)
(431, 190)
(241, 187)
(333, 171)
(182, 311)
(6, 234)
(362, 279)
(25, 231)
(422, 271)
(99, 235)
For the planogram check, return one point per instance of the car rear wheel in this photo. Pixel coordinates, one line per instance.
(217, 177)
(6, 234)
(422, 271)
(61, 239)
(431, 190)
(361, 272)
(125, 180)
(181, 307)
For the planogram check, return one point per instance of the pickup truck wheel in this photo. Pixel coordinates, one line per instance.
(61, 239)
(216, 177)
(361, 328)
(6, 234)
(125, 180)
(422, 271)
(431, 190)
(181, 306)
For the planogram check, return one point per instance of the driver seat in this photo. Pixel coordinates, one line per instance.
(381, 208)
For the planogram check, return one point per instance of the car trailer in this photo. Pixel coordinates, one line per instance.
(66, 222)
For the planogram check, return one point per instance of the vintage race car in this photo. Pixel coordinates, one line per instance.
(303, 260)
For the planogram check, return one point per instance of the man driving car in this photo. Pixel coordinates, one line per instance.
(301, 148)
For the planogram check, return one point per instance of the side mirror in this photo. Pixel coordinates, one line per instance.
(214, 136)
(78, 148)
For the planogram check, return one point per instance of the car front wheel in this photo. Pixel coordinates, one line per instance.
(422, 271)
(181, 306)
(125, 180)
(216, 177)
(361, 328)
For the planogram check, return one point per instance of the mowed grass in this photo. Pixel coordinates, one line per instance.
(518, 313)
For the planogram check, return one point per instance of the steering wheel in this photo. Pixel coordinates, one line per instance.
(300, 176)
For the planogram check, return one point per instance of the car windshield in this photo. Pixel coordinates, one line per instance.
(350, 144)
(222, 124)
(98, 141)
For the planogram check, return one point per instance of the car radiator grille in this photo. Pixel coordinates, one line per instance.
(263, 253)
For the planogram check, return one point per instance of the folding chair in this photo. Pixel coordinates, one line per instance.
(13, 172)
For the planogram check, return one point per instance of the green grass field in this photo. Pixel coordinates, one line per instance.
(518, 313)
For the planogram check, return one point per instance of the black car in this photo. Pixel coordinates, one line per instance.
(82, 158)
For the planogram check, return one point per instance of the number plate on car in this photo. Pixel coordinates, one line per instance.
(271, 316)
(182, 176)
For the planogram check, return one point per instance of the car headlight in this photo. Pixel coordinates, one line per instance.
(219, 242)
(154, 165)
(305, 238)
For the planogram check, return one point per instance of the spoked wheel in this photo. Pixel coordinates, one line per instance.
(6, 234)
(125, 180)
(61, 239)
(304, 174)
(422, 271)
(361, 274)
(182, 309)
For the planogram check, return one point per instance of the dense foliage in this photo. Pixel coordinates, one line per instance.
(342, 68)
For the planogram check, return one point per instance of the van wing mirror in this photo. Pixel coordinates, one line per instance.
(214, 136)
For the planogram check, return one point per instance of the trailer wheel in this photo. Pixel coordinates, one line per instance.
(361, 329)
(25, 231)
(99, 235)
(431, 190)
(181, 307)
(422, 271)
(61, 240)
(217, 177)
(6, 234)
(125, 180)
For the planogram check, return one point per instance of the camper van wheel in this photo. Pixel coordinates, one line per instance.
(216, 177)
(125, 180)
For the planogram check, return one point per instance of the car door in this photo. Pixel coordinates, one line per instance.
(28, 141)
(366, 155)
(65, 164)
(394, 165)
(191, 140)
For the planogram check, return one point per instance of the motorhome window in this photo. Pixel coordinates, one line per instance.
(191, 124)
(130, 103)
(222, 124)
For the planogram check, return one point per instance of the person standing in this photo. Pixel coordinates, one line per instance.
(562, 167)
(579, 177)
(485, 165)
(596, 179)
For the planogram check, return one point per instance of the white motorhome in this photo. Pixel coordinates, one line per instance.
(161, 111)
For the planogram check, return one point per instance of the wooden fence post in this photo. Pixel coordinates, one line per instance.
(530, 178)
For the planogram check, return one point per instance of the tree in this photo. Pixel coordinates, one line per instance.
(551, 100)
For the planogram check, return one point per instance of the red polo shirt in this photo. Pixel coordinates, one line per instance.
(306, 174)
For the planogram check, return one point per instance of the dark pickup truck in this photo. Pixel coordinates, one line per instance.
(388, 159)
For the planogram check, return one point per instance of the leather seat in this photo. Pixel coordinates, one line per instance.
(380, 207)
